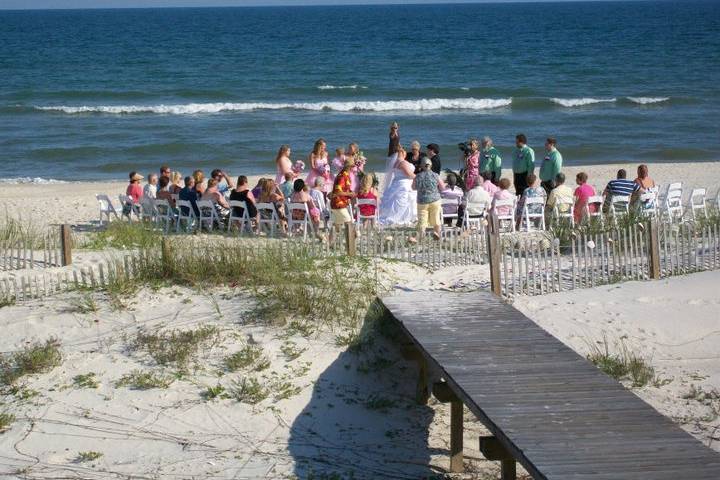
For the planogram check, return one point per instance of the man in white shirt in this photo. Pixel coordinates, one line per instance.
(150, 190)
(477, 201)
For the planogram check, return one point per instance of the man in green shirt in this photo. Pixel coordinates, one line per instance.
(551, 165)
(523, 163)
(490, 160)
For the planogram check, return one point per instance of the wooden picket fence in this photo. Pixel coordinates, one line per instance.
(50, 249)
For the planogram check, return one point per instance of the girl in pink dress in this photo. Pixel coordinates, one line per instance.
(472, 165)
(582, 193)
(339, 161)
(368, 192)
(318, 160)
(283, 163)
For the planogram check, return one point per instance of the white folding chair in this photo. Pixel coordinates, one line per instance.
(647, 204)
(131, 207)
(673, 205)
(533, 214)
(619, 207)
(243, 219)
(475, 220)
(304, 224)
(359, 217)
(208, 215)
(588, 215)
(148, 211)
(451, 202)
(697, 203)
(186, 214)
(175, 197)
(106, 207)
(509, 207)
(165, 213)
(267, 216)
(563, 210)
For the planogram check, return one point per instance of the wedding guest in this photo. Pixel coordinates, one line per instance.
(502, 194)
(560, 192)
(472, 165)
(533, 190)
(317, 193)
(491, 161)
(163, 193)
(487, 184)
(200, 183)
(433, 151)
(646, 184)
(582, 193)
(477, 201)
(339, 161)
(341, 196)
(318, 160)
(428, 186)
(272, 194)
(176, 183)
(224, 182)
(134, 189)
(621, 186)
(367, 192)
(394, 139)
(150, 189)
(242, 193)
(551, 165)
(300, 195)
(212, 193)
(523, 163)
(416, 156)
(189, 194)
(258, 188)
(165, 172)
(287, 186)
(283, 164)
(452, 192)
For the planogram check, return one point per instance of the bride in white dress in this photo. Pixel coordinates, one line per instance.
(398, 205)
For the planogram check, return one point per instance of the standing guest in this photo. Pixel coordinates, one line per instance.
(176, 183)
(455, 193)
(472, 164)
(416, 156)
(533, 190)
(582, 193)
(551, 165)
(339, 161)
(428, 186)
(300, 195)
(560, 192)
(502, 194)
(283, 164)
(242, 193)
(287, 186)
(488, 184)
(224, 182)
(134, 189)
(272, 194)
(433, 152)
(318, 160)
(200, 183)
(477, 200)
(163, 192)
(317, 194)
(523, 163)
(150, 189)
(367, 192)
(621, 186)
(491, 161)
(394, 139)
(341, 196)
(189, 194)
(165, 172)
(212, 193)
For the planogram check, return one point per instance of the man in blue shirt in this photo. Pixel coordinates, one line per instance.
(189, 194)
(621, 186)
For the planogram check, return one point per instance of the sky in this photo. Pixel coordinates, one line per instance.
(31, 4)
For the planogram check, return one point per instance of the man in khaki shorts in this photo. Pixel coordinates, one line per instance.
(342, 196)
(428, 186)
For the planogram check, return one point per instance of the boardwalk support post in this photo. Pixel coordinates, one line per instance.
(493, 450)
(444, 394)
(654, 249)
(65, 245)
(422, 391)
(493, 241)
(350, 246)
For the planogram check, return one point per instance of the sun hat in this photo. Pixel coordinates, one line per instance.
(137, 176)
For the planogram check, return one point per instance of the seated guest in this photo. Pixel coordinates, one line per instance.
(134, 189)
(257, 190)
(582, 193)
(189, 194)
(532, 191)
(646, 184)
(218, 199)
(224, 182)
(176, 181)
(242, 193)
(367, 192)
(300, 195)
(272, 194)
(502, 194)
(150, 189)
(452, 192)
(287, 186)
(200, 183)
(477, 201)
(560, 192)
(620, 186)
(317, 194)
(487, 183)
(163, 193)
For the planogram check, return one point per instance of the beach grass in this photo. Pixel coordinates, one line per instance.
(6, 420)
(175, 348)
(38, 357)
(144, 380)
(621, 363)
(123, 236)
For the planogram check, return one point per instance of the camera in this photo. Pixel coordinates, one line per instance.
(465, 148)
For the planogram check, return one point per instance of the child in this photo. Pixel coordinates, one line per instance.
(328, 180)
(317, 194)
(150, 190)
(367, 191)
(339, 160)
(300, 195)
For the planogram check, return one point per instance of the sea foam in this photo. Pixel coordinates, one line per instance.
(364, 106)
(341, 87)
(648, 100)
(33, 180)
(579, 102)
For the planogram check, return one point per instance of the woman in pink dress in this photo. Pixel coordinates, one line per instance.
(353, 151)
(318, 160)
(472, 165)
(582, 193)
(284, 164)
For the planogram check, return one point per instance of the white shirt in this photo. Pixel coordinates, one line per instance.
(477, 201)
(150, 191)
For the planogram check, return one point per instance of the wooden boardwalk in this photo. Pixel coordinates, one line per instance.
(547, 407)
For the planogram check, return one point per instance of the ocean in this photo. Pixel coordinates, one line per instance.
(94, 94)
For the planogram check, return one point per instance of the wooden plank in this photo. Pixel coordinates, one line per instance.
(66, 245)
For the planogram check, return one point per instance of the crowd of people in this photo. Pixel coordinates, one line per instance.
(412, 191)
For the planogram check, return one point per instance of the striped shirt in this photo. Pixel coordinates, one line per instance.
(622, 186)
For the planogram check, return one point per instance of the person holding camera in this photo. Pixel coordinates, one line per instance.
(472, 164)
(523, 163)
(490, 160)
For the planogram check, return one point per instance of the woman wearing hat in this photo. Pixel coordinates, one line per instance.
(135, 190)
(428, 186)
